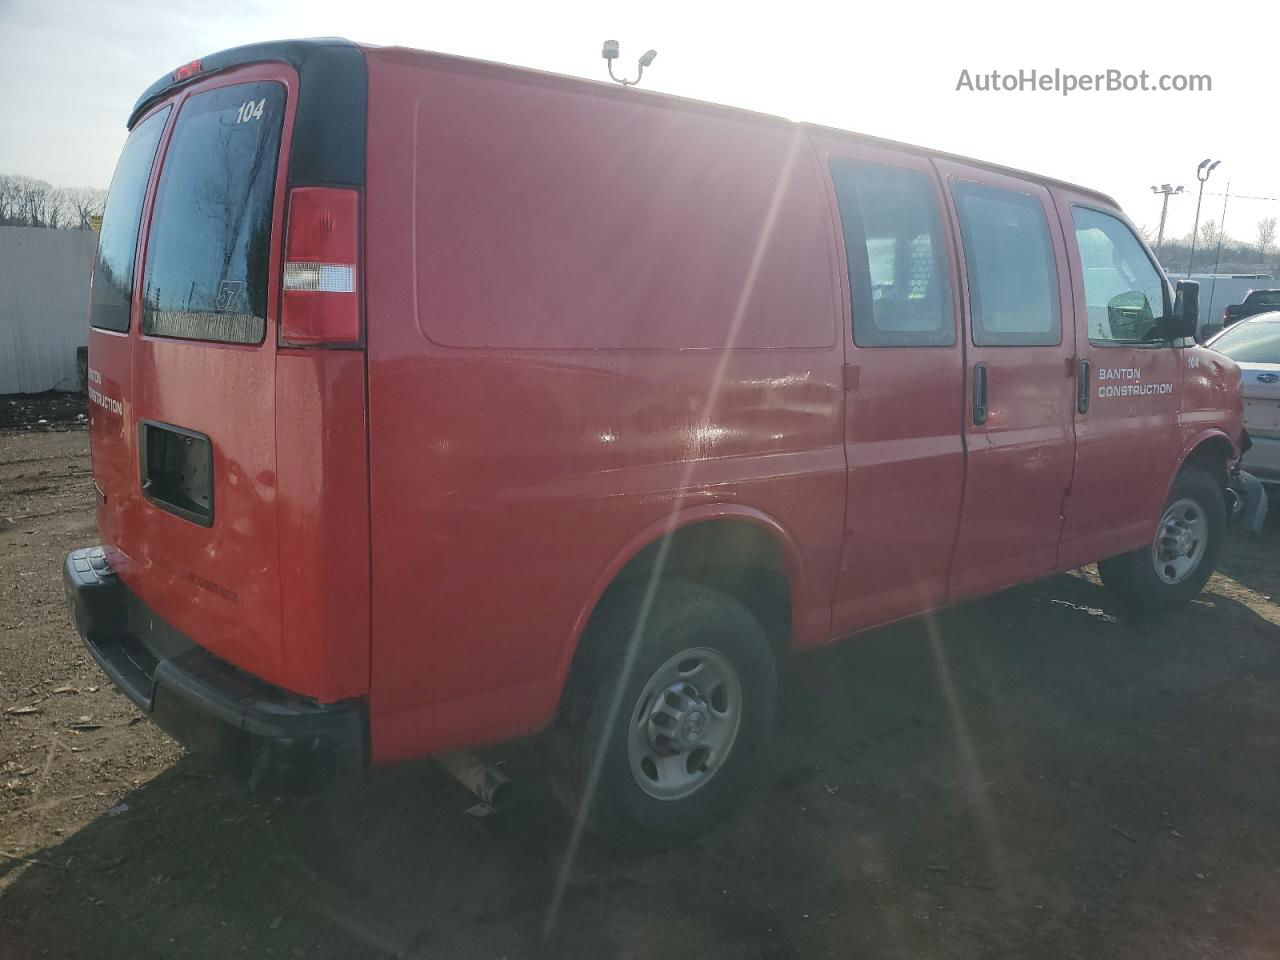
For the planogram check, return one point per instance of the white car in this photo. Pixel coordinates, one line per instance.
(1254, 343)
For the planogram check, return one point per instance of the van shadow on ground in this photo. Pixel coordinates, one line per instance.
(1023, 776)
(1254, 561)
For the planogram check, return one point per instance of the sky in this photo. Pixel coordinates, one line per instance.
(71, 70)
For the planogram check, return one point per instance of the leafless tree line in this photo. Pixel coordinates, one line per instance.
(28, 202)
(1227, 254)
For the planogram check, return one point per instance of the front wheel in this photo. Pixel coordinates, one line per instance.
(661, 750)
(1183, 553)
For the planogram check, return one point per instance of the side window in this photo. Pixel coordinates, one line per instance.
(1124, 292)
(898, 273)
(1013, 279)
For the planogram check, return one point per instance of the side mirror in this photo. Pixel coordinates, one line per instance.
(1186, 309)
(1129, 316)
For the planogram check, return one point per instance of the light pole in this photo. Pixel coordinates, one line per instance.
(1168, 190)
(1202, 174)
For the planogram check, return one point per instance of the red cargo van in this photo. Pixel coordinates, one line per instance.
(436, 403)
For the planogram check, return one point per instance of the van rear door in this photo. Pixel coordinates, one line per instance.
(204, 375)
(111, 417)
(228, 434)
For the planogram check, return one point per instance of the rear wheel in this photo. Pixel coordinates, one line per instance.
(675, 740)
(1183, 553)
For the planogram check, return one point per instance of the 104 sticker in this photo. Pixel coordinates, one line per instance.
(250, 110)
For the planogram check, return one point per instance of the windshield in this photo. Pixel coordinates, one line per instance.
(1257, 341)
(1268, 298)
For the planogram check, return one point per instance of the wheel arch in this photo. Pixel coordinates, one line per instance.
(1210, 449)
(710, 520)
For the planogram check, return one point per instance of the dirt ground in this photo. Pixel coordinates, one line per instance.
(1021, 777)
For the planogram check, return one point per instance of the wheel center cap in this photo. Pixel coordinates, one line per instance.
(693, 727)
(1177, 541)
(679, 719)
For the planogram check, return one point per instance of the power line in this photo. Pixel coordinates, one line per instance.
(1241, 196)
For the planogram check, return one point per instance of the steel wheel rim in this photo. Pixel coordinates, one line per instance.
(684, 724)
(1180, 541)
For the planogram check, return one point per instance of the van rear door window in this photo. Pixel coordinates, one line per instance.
(118, 240)
(208, 254)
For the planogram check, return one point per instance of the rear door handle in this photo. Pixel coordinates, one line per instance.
(979, 394)
(1082, 386)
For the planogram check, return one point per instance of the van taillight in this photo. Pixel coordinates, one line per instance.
(321, 303)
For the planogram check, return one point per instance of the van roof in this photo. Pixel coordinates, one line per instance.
(295, 52)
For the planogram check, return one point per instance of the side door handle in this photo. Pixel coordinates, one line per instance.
(1083, 371)
(979, 394)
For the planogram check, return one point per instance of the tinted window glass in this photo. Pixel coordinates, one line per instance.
(1123, 290)
(1013, 281)
(1251, 342)
(118, 241)
(1268, 298)
(897, 256)
(209, 252)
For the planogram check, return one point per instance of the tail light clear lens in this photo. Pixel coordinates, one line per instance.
(321, 302)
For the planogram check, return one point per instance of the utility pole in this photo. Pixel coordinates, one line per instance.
(1202, 174)
(1217, 259)
(1222, 227)
(1168, 190)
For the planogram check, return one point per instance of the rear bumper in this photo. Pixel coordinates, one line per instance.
(269, 737)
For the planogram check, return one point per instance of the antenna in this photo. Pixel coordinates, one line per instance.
(610, 53)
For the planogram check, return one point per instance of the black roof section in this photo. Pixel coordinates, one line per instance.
(329, 129)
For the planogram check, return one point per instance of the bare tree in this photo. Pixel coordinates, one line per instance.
(1208, 234)
(27, 202)
(8, 201)
(56, 209)
(1266, 236)
(31, 202)
(83, 203)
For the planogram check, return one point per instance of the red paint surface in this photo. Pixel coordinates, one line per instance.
(279, 584)
(1127, 449)
(552, 271)
(1018, 465)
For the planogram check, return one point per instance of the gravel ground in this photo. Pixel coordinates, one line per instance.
(1020, 777)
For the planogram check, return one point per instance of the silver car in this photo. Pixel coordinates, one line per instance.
(1254, 343)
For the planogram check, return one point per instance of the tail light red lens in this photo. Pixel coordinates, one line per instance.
(321, 302)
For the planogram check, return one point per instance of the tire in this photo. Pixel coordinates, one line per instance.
(1174, 568)
(670, 767)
